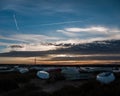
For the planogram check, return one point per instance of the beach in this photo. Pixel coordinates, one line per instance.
(28, 84)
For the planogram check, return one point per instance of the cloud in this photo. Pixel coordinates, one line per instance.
(88, 40)
(31, 47)
(80, 41)
(60, 23)
(84, 32)
(89, 29)
(10, 38)
(70, 34)
(34, 42)
(40, 47)
(72, 41)
(28, 47)
(33, 37)
(90, 34)
(39, 6)
(28, 38)
(5, 47)
(4, 44)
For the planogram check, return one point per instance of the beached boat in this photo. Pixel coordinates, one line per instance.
(43, 75)
(105, 77)
(116, 69)
(96, 69)
(21, 69)
(72, 73)
(6, 69)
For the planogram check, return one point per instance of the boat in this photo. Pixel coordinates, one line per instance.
(72, 73)
(43, 75)
(96, 69)
(105, 77)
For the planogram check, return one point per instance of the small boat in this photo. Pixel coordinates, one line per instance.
(105, 77)
(6, 69)
(72, 73)
(96, 69)
(116, 69)
(21, 69)
(43, 75)
(36, 68)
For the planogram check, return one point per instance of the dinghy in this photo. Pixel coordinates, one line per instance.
(43, 75)
(105, 77)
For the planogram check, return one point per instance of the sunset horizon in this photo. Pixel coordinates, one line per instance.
(60, 32)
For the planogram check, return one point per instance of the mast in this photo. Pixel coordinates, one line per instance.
(35, 61)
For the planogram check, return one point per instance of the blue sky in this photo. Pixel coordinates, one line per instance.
(34, 21)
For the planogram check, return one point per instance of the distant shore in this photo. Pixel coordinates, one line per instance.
(51, 65)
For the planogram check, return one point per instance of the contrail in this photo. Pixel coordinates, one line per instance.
(59, 23)
(16, 24)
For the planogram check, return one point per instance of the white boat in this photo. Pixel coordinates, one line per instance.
(96, 69)
(105, 77)
(43, 75)
(72, 73)
(21, 69)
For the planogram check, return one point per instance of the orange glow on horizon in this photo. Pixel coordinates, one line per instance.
(30, 60)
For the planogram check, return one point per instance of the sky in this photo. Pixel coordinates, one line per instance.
(30, 22)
